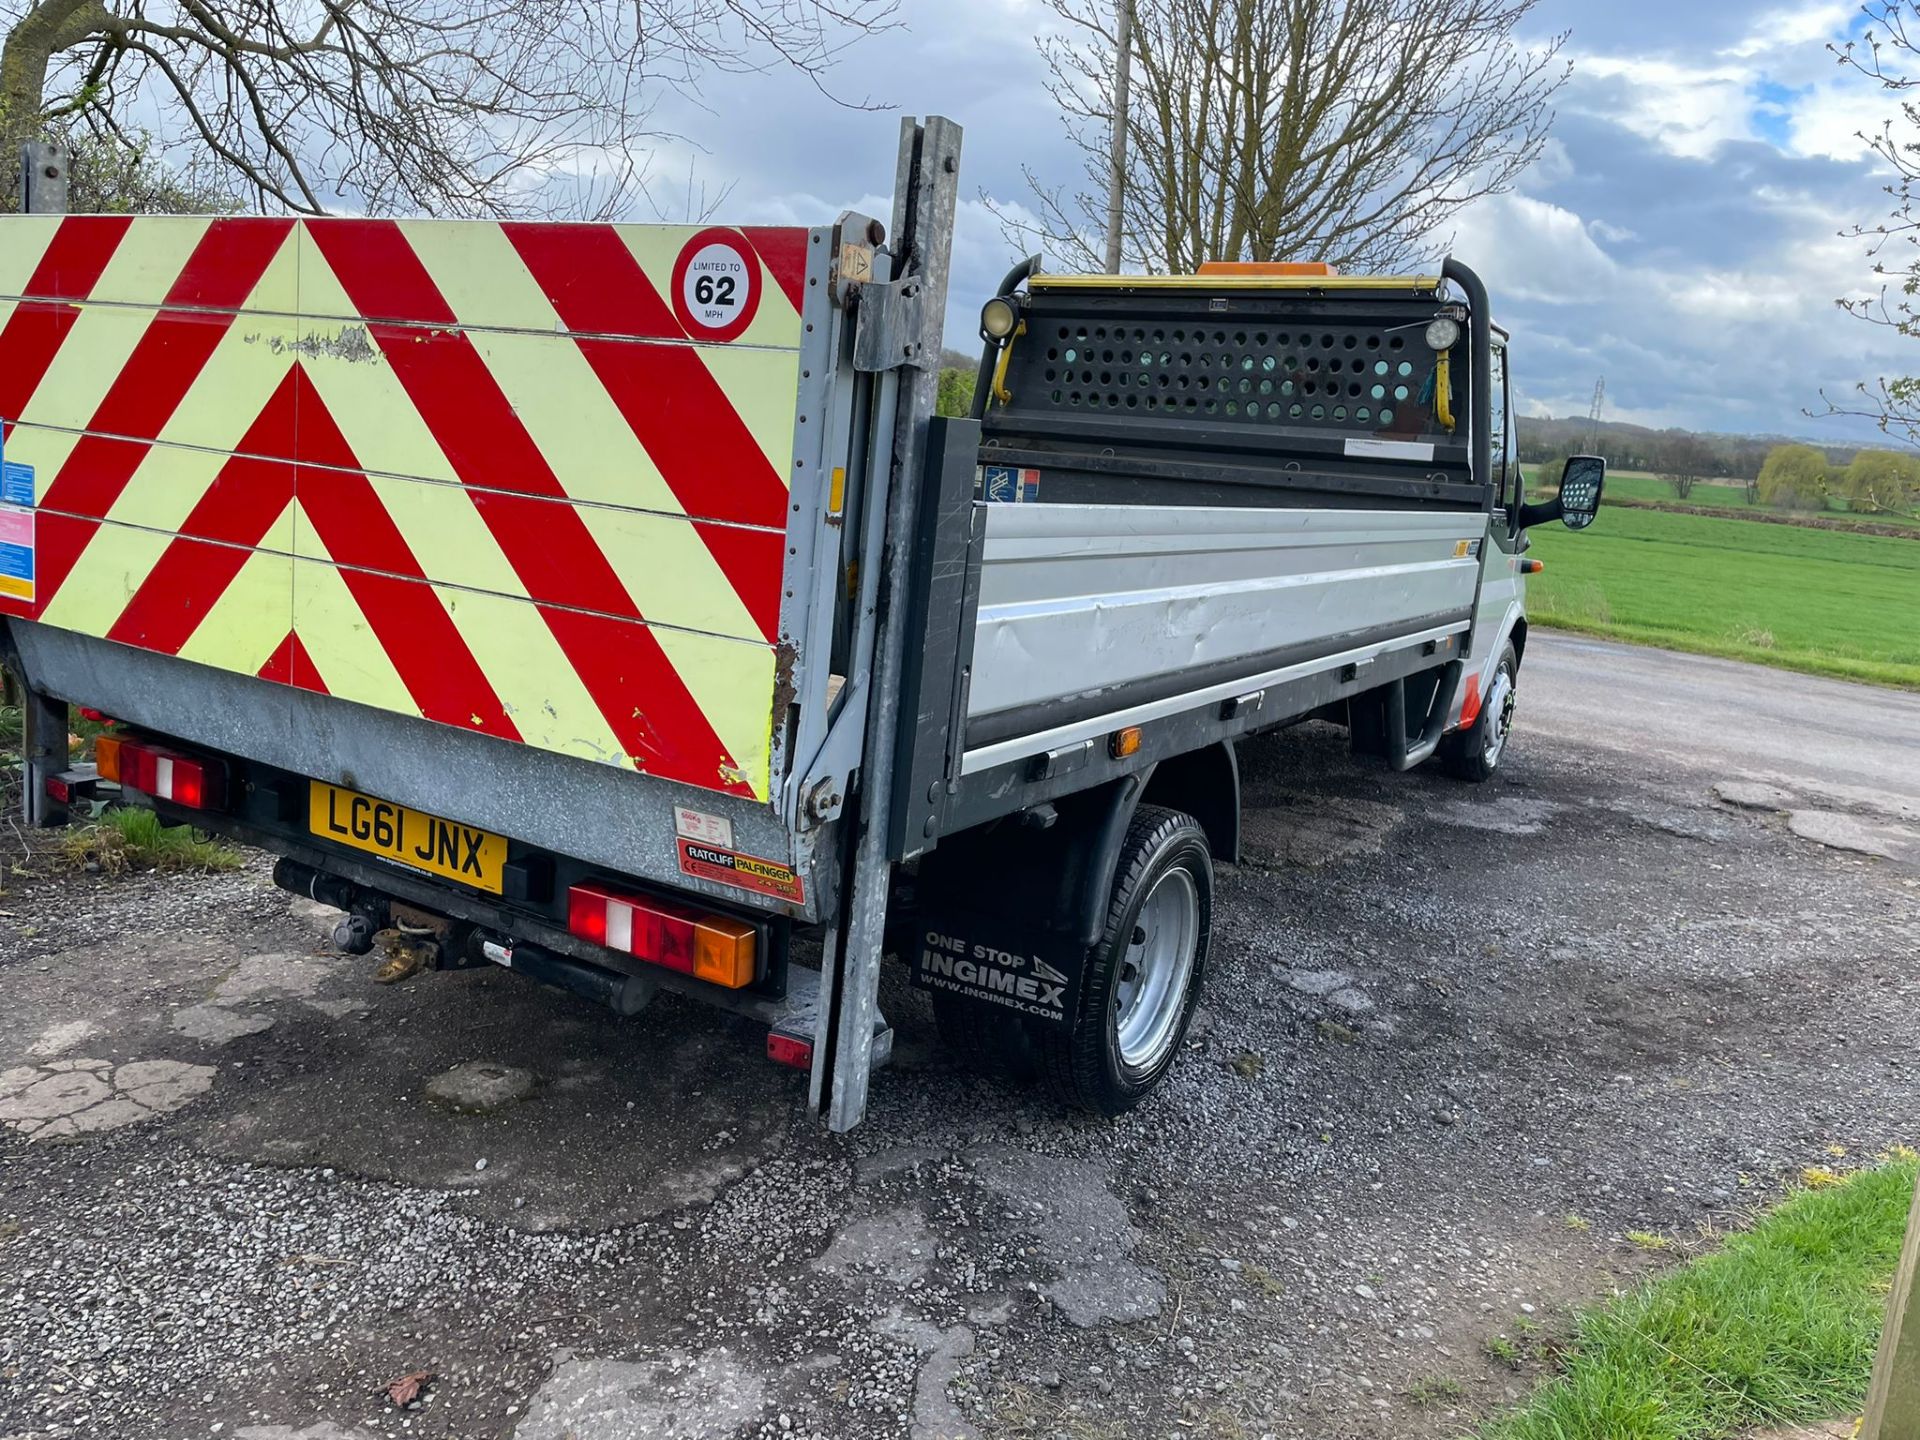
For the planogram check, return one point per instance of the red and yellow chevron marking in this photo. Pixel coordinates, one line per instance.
(494, 475)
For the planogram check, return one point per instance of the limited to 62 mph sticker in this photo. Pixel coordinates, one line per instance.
(716, 285)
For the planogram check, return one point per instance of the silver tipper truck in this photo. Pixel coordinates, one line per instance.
(608, 603)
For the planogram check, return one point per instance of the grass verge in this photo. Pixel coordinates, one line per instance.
(123, 840)
(1777, 1326)
(1824, 602)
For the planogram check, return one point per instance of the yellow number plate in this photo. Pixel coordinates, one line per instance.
(420, 842)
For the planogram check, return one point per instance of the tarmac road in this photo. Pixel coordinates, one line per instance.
(1724, 716)
(1457, 1043)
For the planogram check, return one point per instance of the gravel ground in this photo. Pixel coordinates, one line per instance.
(1457, 1044)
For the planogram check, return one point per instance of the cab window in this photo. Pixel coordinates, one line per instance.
(1501, 429)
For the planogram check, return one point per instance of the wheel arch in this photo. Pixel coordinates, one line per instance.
(1056, 865)
(1206, 785)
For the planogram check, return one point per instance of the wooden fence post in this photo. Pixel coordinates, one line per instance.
(1893, 1401)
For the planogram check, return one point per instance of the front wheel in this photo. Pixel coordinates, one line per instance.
(1475, 752)
(1142, 978)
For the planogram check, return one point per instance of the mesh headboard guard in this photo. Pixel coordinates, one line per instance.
(1320, 396)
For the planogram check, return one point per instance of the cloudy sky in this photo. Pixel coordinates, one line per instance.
(1679, 236)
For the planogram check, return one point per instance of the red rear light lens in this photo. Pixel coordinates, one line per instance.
(714, 948)
(162, 773)
(587, 914)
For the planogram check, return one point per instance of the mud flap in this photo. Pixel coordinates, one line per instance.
(1031, 971)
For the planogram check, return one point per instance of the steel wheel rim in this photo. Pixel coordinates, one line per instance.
(1499, 718)
(1151, 992)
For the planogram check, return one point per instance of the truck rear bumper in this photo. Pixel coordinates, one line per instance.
(601, 815)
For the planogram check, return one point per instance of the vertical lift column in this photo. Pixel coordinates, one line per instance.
(898, 337)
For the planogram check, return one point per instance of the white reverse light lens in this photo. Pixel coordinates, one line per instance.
(1443, 333)
(998, 318)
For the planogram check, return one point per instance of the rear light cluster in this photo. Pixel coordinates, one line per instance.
(714, 948)
(162, 773)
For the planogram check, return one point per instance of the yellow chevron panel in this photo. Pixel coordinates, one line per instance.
(98, 346)
(255, 611)
(730, 681)
(665, 566)
(111, 568)
(341, 643)
(248, 365)
(532, 676)
(27, 238)
(150, 258)
(764, 387)
(657, 247)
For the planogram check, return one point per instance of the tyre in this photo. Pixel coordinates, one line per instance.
(1142, 978)
(1475, 752)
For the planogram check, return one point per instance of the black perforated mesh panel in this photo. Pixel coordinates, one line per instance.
(1183, 395)
(1328, 376)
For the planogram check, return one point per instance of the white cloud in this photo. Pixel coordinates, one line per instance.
(1800, 26)
(1688, 109)
(1532, 250)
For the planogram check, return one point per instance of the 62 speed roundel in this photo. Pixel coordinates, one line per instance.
(716, 285)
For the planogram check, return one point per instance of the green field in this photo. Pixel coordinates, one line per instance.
(1822, 601)
(1730, 495)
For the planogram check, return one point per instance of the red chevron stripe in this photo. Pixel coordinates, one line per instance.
(68, 271)
(279, 666)
(783, 250)
(222, 271)
(670, 400)
(406, 614)
(305, 673)
(291, 665)
(643, 698)
(238, 509)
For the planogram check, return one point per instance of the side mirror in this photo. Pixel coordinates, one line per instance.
(1578, 502)
(1580, 486)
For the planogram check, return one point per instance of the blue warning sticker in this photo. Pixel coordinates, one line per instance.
(1005, 485)
(16, 552)
(16, 483)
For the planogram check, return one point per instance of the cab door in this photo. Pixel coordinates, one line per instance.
(1501, 588)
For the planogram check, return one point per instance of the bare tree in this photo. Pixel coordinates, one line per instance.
(455, 107)
(1340, 130)
(1885, 55)
(1682, 460)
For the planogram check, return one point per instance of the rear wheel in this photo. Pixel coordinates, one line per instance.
(1142, 978)
(1476, 752)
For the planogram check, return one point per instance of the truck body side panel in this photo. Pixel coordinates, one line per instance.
(1089, 610)
(487, 475)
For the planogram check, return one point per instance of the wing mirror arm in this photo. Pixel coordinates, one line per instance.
(1532, 514)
